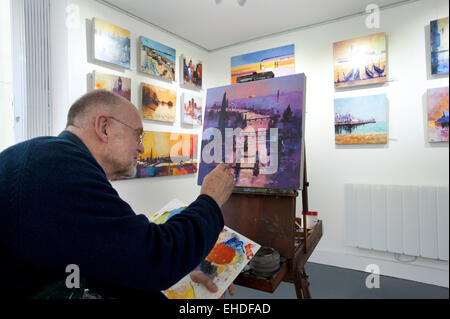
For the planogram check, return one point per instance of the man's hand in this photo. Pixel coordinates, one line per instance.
(219, 184)
(199, 277)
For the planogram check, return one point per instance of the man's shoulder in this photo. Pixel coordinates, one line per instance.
(49, 152)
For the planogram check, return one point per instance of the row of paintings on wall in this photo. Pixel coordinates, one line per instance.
(112, 44)
(277, 103)
(358, 61)
(267, 121)
(158, 103)
(257, 107)
(363, 120)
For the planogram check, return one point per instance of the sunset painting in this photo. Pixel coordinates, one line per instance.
(437, 106)
(114, 83)
(167, 154)
(360, 120)
(111, 43)
(256, 127)
(360, 61)
(277, 61)
(158, 103)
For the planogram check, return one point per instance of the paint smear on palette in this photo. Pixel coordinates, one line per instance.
(223, 264)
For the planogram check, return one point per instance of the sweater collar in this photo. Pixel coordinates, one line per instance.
(77, 141)
(74, 139)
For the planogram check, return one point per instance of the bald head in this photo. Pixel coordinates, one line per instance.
(111, 128)
(92, 102)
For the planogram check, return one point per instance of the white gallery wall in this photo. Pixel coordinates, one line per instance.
(407, 158)
(71, 71)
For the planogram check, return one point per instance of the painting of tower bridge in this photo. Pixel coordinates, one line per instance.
(360, 120)
(264, 120)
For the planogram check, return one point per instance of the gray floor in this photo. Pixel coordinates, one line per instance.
(328, 282)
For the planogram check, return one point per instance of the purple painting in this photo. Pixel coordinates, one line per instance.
(257, 128)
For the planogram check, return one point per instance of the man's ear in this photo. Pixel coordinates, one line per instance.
(101, 126)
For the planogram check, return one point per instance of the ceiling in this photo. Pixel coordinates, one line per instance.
(215, 24)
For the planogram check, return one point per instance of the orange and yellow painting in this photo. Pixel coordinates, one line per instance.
(360, 61)
(167, 154)
(437, 109)
(277, 61)
(158, 103)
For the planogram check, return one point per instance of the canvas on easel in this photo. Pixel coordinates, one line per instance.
(257, 128)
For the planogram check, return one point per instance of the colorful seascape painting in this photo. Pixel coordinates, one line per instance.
(191, 72)
(158, 103)
(360, 61)
(279, 61)
(167, 154)
(437, 109)
(256, 127)
(157, 59)
(360, 120)
(114, 83)
(227, 259)
(439, 46)
(191, 110)
(112, 44)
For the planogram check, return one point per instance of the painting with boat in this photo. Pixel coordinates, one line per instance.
(277, 61)
(360, 61)
(360, 120)
(437, 110)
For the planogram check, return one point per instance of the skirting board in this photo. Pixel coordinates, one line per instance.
(410, 271)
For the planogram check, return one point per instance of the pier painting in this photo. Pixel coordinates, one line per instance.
(278, 60)
(157, 59)
(114, 83)
(360, 120)
(111, 43)
(360, 61)
(439, 46)
(167, 154)
(158, 103)
(268, 116)
(437, 109)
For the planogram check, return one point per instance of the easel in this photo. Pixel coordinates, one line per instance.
(267, 216)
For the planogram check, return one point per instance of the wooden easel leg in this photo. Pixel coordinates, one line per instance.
(301, 283)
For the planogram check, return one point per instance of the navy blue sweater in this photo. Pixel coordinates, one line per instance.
(58, 208)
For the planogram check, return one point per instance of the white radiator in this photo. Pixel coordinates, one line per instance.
(410, 220)
(31, 77)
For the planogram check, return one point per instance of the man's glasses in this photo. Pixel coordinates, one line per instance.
(140, 135)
